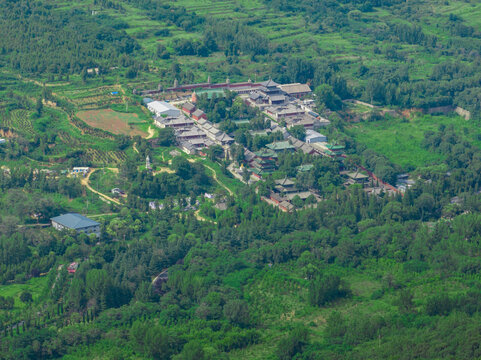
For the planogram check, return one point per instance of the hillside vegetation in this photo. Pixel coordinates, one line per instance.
(406, 54)
(194, 263)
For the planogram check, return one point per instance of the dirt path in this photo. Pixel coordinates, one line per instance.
(135, 148)
(151, 133)
(218, 181)
(121, 89)
(199, 217)
(32, 225)
(38, 83)
(85, 182)
(99, 215)
(163, 169)
(214, 175)
(160, 275)
(115, 170)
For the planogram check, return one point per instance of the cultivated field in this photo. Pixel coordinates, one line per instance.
(87, 99)
(99, 157)
(19, 120)
(112, 121)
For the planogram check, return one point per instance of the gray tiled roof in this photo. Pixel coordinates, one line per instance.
(277, 98)
(198, 113)
(74, 221)
(295, 88)
(254, 95)
(188, 106)
(269, 83)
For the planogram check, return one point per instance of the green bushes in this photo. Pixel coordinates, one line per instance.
(237, 312)
(238, 339)
(80, 40)
(294, 344)
(443, 304)
(326, 288)
(151, 340)
(6, 303)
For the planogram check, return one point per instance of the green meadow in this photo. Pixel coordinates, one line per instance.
(400, 139)
(36, 286)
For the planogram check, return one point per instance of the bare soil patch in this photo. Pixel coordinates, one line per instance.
(112, 121)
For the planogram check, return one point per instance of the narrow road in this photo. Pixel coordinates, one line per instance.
(85, 182)
(135, 148)
(199, 217)
(151, 133)
(218, 181)
(162, 274)
(38, 83)
(33, 225)
(99, 215)
(163, 169)
(214, 175)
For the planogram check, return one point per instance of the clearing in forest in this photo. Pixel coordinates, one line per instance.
(113, 121)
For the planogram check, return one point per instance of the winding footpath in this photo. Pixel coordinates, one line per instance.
(214, 175)
(135, 148)
(199, 217)
(85, 182)
(151, 133)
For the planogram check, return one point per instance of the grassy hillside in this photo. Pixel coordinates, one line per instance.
(359, 41)
(400, 139)
(357, 276)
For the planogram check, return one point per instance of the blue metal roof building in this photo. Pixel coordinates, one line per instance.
(76, 222)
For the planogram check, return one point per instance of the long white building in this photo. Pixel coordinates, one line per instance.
(162, 108)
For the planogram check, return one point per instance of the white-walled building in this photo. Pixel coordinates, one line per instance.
(162, 108)
(80, 170)
(314, 137)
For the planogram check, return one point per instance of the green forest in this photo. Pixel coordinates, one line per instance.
(402, 54)
(193, 262)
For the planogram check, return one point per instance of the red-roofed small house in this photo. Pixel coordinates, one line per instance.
(72, 268)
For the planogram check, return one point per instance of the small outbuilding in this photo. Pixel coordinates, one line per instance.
(72, 268)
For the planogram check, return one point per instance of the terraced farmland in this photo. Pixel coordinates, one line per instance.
(100, 158)
(19, 120)
(93, 98)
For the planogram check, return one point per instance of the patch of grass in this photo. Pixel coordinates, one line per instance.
(104, 180)
(400, 140)
(35, 286)
(88, 204)
(233, 184)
